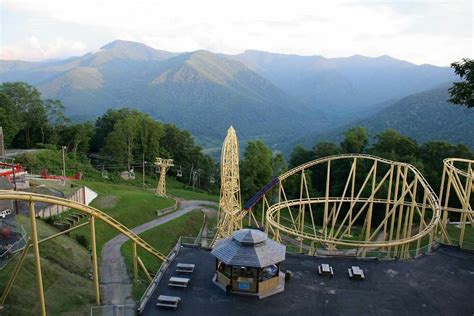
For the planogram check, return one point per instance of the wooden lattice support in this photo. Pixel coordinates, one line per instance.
(230, 213)
(164, 165)
(384, 210)
(456, 198)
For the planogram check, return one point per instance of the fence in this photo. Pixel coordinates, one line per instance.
(19, 241)
(83, 195)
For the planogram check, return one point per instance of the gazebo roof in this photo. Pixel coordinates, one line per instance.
(249, 248)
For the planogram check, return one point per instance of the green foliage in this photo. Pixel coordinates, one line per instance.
(389, 144)
(82, 240)
(65, 266)
(256, 168)
(356, 140)
(463, 92)
(8, 119)
(29, 112)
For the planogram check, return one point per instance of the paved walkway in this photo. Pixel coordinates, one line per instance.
(115, 282)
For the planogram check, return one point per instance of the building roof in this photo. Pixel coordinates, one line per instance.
(5, 184)
(249, 248)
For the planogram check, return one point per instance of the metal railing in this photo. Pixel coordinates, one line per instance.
(7, 253)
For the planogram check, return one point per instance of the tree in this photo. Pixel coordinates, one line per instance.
(392, 145)
(356, 140)
(121, 142)
(56, 118)
(8, 119)
(324, 149)
(29, 107)
(279, 165)
(78, 136)
(149, 135)
(299, 156)
(104, 125)
(255, 168)
(463, 92)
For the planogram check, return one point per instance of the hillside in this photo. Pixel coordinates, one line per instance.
(190, 90)
(344, 87)
(423, 116)
(276, 97)
(65, 265)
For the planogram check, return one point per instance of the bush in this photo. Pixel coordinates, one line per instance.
(82, 240)
(52, 219)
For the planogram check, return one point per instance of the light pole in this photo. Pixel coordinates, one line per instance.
(64, 164)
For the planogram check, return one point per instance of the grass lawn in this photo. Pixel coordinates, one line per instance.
(65, 265)
(455, 232)
(178, 189)
(163, 238)
(131, 206)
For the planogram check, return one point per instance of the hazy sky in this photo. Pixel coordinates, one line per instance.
(435, 32)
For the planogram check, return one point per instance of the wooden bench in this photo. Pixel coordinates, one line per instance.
(168, 301)
(185, 267)
(356, 273)
(178, 282)
(325, 269)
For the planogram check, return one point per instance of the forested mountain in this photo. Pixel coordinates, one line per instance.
(423, 116)
(200, 91)
(344, 87)
(276, 97)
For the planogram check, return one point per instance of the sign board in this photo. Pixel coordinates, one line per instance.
(244, 286)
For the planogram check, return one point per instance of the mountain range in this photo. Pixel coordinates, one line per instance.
(422, 116)
(280, 98)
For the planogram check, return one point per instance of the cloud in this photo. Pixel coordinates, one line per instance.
(416, 30)
(32, 49)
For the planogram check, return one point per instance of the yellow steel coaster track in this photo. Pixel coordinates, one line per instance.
(457, 200)
(381, 206)
(230, 213)
(94, 213)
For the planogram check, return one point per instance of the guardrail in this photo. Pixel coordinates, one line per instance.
(8, 254)
(159, 275)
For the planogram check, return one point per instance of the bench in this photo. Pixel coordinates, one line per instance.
(185, 267)
(178, 282)
(356, 273)
(325, 269)
(4, 213)
(168, 301)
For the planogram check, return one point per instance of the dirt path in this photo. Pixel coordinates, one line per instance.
(116, 284)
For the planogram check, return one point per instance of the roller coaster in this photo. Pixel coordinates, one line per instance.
(94, 214)
(350, 204)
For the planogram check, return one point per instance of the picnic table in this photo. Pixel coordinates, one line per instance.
(325, 269)
(168, 301)
(356, 273)
(185, 267)
(178, 282)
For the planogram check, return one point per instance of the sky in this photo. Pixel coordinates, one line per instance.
(432, 32)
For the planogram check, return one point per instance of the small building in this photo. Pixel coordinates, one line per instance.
(248, 263)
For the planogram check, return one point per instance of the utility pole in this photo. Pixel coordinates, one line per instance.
(143, 170)
(64, 165)
(2, 143)
(164, 165)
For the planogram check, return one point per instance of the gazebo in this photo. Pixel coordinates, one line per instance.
(249, 263)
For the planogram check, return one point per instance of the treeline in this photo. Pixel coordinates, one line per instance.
(259, 166)
(121, 139)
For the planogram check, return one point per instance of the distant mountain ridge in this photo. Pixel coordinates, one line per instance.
(345, 87)
(425, 116)
(276, 97)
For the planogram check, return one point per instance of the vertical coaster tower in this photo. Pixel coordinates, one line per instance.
(164, 165)
(230, 211)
